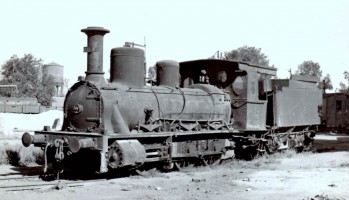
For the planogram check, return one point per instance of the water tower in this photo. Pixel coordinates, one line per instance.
(56, 72)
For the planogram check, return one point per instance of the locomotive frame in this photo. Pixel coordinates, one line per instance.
(199, 112)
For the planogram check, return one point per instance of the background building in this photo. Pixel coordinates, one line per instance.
(56, 71)
(335, 112)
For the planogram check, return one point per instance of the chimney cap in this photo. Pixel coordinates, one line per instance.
(92, 30)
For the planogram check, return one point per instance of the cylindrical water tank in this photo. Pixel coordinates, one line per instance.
(55, 71)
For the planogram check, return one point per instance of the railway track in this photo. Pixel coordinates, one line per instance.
(19, 182)
(12, 182)
(24, 179)
(41, 185)
(35, 183)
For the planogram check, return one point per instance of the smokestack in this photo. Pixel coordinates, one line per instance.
(94, 51)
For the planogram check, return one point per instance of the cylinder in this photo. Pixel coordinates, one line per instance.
(94, 52)
(127, 66)
(28, 139)
(168, 73)
(75, 144)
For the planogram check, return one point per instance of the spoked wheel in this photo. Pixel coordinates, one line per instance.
(262, 149)
(308, 141)
(308, 147)
(141, 172)
(179, 165)
(245, 152)
(213, 160)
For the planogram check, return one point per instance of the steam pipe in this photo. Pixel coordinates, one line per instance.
(94, 52)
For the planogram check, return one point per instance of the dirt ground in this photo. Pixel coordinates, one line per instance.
(280, 176)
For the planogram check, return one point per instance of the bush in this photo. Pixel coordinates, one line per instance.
(18, 155)
(323, 197)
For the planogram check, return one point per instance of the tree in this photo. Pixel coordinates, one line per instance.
(25, 73)
(326, 83)
(346, 75)
(313, 69)
(343, 87)
(309, 68)
(152, 73)
(251, 55)
(46, 91)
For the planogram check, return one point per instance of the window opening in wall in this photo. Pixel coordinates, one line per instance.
(338, 105)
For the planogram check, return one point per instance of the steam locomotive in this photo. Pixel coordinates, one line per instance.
(198, 111)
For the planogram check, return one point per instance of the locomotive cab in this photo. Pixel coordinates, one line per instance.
(247, 85)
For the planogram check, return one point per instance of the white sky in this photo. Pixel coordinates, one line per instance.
(288, 32)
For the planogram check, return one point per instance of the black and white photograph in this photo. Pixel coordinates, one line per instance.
(174, 100)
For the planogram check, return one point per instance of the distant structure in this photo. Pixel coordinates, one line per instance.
(8, 90)
(56, 71)
(335, 112)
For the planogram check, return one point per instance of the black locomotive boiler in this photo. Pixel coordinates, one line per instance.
(197, 112)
